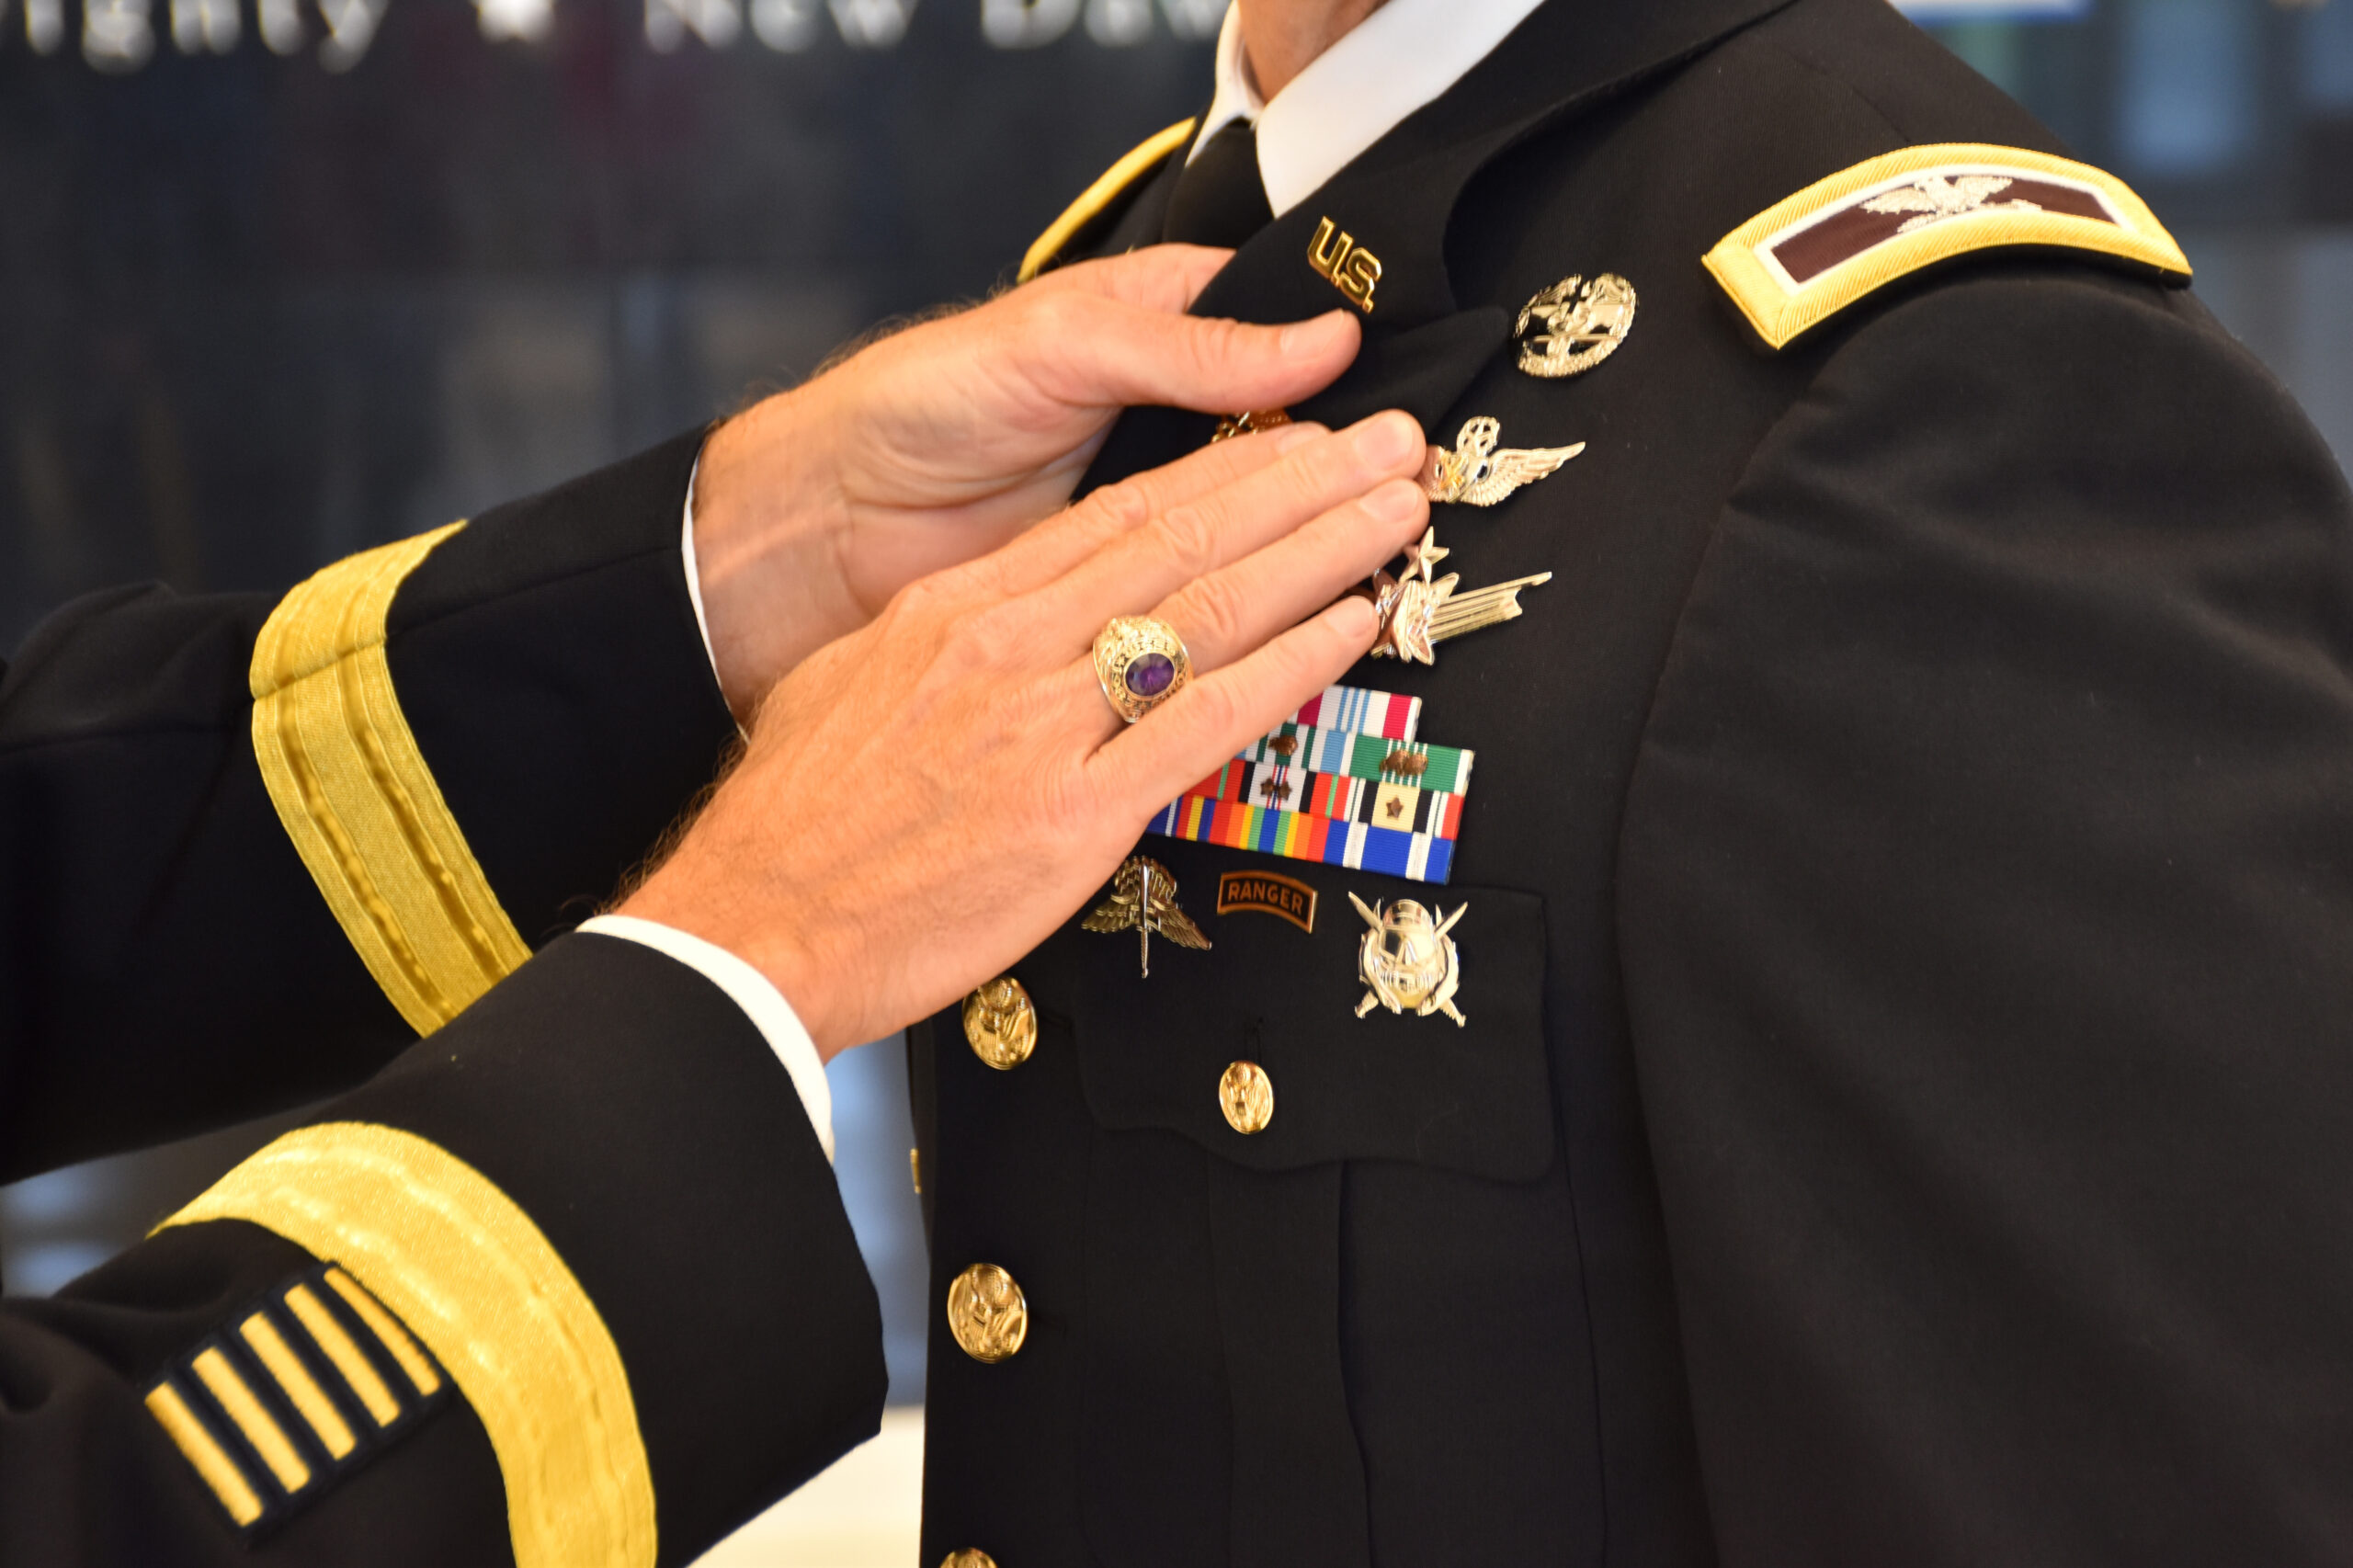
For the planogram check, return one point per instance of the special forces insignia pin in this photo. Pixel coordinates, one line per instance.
(1478, 474)
(1419, 610)
(1143, 900)
(1582, 325)
(1408, 960)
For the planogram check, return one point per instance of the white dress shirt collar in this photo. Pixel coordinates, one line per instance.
(1402, 56)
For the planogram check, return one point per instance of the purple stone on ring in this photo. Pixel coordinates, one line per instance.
(1150, 675)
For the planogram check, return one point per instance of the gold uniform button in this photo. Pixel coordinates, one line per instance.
(987, 1313)
(970, 1557)
(1000, 1023)
(1247, 1096)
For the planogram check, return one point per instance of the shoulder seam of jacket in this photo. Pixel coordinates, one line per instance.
(1113, 184)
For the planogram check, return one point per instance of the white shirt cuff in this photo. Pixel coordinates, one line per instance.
(750, 990)
(694, 572)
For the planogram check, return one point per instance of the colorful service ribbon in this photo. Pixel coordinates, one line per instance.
(1344, 783)
(1381, 802)
(1296, 835)
(1361, 712)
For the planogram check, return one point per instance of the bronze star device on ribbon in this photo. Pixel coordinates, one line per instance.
(1342, 783)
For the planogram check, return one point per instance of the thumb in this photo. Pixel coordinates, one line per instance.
(1157, 277)
(1122, 356)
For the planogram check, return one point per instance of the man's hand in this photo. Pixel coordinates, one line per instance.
(925, 800)
(939, 444)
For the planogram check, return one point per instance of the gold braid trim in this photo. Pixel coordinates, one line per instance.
(358, 800)
(1101, 194)
(472, 1276)
(1781, 306)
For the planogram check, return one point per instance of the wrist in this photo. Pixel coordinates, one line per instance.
(707, 908)
(768, 517)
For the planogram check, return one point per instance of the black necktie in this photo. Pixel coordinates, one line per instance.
(1220, 200)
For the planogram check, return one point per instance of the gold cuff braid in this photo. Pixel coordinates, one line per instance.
(358, 800)
(469, 1273)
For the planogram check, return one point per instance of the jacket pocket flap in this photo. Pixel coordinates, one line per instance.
(1474, 1098)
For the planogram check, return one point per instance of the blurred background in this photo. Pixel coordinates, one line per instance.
(280, 279)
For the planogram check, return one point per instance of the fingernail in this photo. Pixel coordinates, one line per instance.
(1394, 502)
(1291, 437)
(1356, 618)
(1311, 336)
(1387, 439)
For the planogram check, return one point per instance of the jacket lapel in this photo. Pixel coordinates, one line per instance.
(1397, 201)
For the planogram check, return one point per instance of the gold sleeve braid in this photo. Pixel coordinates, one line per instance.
(457, 1261)
(1101, 194)
(359, 802)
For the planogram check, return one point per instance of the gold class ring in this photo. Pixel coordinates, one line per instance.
(1140, 663)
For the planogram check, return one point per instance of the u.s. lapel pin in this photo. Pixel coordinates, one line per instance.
(1582, 325)
(1143, 900)
(1477, 473)
(1346, 265)
(1419, 610)
(1408, 960)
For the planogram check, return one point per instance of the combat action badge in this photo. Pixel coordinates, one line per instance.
(1419, 611)
(1143, 900)
(1408, 960)
(1479, 475)
(1584, 324)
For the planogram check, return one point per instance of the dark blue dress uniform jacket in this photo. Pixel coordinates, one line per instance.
(1906, 1110)
(169, 965)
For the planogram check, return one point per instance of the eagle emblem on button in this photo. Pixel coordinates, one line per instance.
(1001, 1023)
(987, 1313)
(1246, 1096)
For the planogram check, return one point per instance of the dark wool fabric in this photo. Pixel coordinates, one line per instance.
(170, 967)
(1904, 1115)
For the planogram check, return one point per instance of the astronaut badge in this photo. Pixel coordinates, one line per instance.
(1582, 324)
(1407, 961)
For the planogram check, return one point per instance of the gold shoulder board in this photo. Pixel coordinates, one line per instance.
(1115, 183)
(1803, 260)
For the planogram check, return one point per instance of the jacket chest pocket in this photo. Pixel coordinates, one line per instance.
(1229, 1094)
(1256, 1049)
